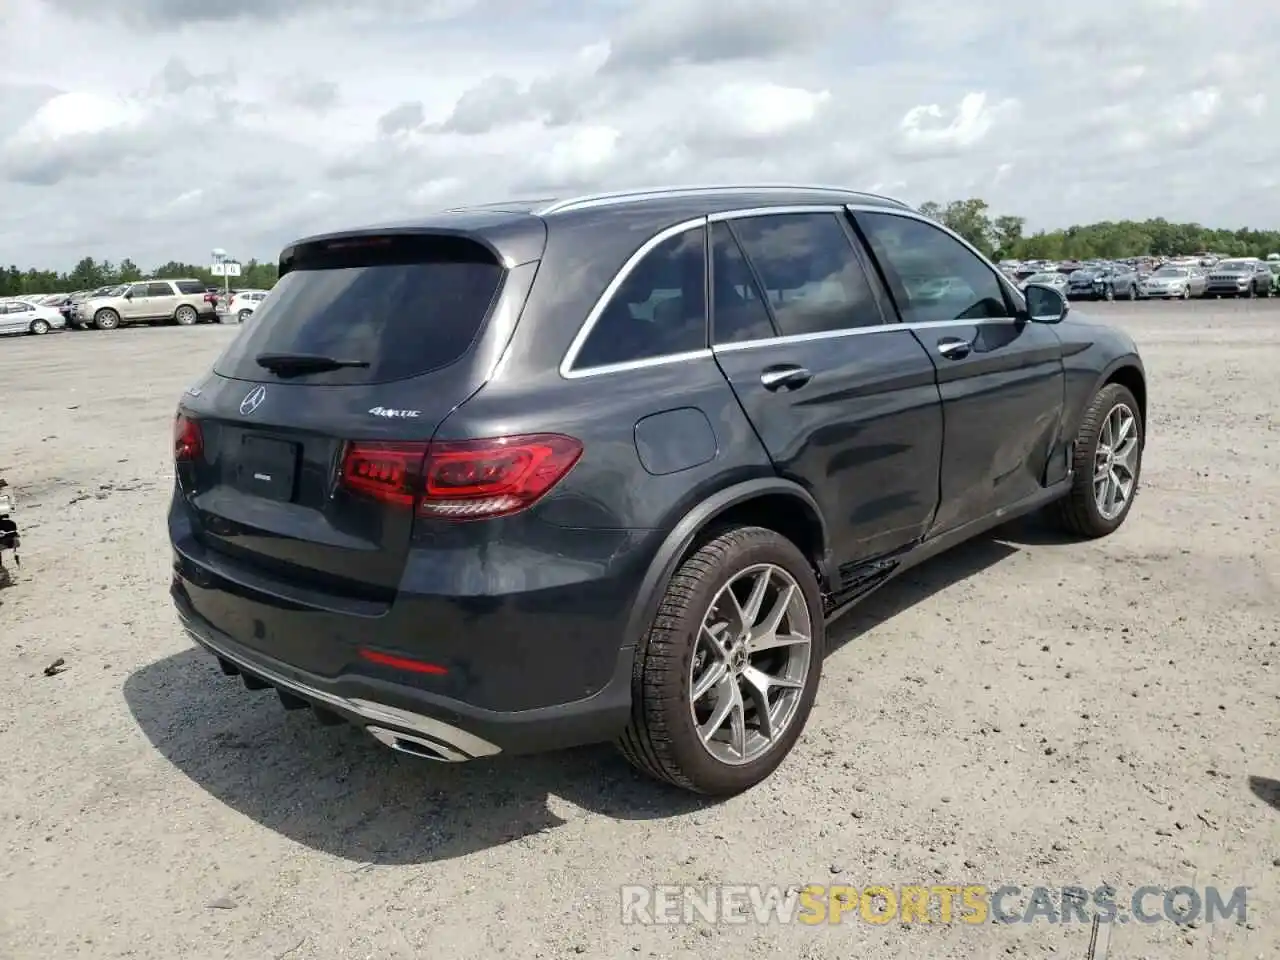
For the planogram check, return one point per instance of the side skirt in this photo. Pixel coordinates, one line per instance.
(930, 548)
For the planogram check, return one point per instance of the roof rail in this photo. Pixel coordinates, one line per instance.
(589, 200)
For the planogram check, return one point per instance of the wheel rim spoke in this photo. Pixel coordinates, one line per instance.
(751, 660)
(1116, 461)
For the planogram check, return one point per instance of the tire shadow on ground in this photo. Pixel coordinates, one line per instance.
(335, 790)
(1266, 790)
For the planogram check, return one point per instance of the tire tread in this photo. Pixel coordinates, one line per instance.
(1076, 512)
(646, 741)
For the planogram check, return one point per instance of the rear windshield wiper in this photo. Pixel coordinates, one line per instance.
(286, 364)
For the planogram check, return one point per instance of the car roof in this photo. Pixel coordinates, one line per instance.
(514, 227)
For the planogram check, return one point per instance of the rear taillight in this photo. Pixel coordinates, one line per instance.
(461, 480)
(390, 472)
(473, 479)
(188, 440)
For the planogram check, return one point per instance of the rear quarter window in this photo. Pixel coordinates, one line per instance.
(405, 305)
(659, 309)
(188, 287)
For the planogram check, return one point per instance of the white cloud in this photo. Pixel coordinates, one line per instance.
(758, 110)
(1060, 113)
(929, 131)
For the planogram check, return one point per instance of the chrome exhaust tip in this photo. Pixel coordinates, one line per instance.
(416, 746)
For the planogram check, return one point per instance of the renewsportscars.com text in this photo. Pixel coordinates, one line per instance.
(932, 903)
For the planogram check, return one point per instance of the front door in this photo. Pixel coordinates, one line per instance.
(1000, 375)
(135, 304)
(841, 395)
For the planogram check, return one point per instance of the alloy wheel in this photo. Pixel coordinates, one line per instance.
(1115, 463)
(750, 662)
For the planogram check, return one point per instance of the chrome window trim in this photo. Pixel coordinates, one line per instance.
(575, 346)
(854, 332)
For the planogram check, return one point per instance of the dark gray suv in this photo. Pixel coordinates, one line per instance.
(530, 475)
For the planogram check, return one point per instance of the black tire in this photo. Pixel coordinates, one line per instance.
(244, 315)
(1108, 293)
(39, 327)
(1133, 292)
(1077, 512)
(106, 319)
(186, 316)
(661, 738)
(1253, 291)
(1186, 293)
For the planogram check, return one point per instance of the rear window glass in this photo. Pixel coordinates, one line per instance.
(406, 306)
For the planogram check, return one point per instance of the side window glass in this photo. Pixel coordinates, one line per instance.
(159, 290)
(812, 278)
(138, 290)
(933, 276)
(660, 309)
(738, 313)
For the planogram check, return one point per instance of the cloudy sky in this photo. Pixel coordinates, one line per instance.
(159, 129)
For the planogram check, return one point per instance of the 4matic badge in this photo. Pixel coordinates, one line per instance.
(395, 414)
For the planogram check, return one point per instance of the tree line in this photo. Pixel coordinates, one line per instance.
(89, 274)
(1004, 237)
(998, 236)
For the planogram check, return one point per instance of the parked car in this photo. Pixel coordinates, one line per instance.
(1051, 278)
(1105, 282)
(1183, 283)
(1243, 277)
(21, 315)
(514, 479)
(148, 301)
(244, 303)
(70, 310)
(1274, 267)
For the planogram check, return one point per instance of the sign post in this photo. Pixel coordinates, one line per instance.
(226, 269)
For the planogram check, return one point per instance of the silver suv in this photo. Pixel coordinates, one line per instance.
(148, 301)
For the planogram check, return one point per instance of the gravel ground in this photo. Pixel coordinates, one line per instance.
(1023, 710)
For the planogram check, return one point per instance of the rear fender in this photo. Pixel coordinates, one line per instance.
(686, 532)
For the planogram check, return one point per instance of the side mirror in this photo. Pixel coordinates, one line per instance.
(128, 294)
(1044, 303)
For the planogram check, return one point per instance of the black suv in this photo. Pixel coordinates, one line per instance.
(525, 476)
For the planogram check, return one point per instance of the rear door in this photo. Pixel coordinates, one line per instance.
(162, 300)
(842, 397)
(304, 470)
(1000, 375)
(13, 317)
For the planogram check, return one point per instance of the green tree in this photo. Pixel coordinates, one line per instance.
(1007, 233)
(1002, 236)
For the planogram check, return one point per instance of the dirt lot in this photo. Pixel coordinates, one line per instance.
(1021, 711)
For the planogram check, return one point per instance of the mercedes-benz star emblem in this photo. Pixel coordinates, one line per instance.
(253, 400)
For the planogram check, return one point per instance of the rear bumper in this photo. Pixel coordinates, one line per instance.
(416, 721)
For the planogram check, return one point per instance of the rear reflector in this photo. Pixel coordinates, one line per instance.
(464, 479)
(188, 440)
(402, 663)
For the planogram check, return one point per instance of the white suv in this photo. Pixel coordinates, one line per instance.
(244, 303)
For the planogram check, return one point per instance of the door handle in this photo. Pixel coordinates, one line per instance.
(953, 348)
(785, 377)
